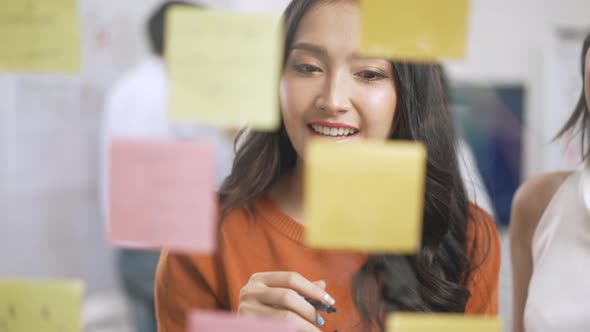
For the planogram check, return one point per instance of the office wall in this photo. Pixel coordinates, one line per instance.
(50, 217)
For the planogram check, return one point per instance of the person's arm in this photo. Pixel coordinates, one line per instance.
(528, 207)
(184, 283)
(485, 254)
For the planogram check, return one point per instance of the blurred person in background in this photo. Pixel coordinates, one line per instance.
(550, 239)
(136, 108)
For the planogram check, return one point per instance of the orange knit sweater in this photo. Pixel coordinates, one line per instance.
(274, 242)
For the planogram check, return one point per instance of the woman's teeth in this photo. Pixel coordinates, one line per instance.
(333, 132)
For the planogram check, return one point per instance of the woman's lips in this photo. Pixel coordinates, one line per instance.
(334, 130)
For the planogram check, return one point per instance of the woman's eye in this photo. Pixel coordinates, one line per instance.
(306, 68)
(371, 75)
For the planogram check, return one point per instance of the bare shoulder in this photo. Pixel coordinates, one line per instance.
(531, 200)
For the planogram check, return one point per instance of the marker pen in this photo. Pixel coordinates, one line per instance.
(321, 306)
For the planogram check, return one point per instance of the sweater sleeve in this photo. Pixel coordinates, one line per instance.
(484, 250)
(185, 283)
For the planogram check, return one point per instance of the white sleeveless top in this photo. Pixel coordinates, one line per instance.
(559, 290)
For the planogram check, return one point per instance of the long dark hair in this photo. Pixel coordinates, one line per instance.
(156, 24)
(580, 116)
(433, 280)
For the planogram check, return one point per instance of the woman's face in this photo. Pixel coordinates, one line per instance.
(328, 91)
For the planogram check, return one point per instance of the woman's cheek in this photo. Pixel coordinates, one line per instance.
(378, 112)
(283, 94)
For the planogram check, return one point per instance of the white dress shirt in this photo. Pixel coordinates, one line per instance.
(136, 107)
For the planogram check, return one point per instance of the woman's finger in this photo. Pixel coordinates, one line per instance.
(254, 309)
(296, 282)
(288, 299)
(321, 284)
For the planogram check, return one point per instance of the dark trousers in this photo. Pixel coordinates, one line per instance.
(137, 270)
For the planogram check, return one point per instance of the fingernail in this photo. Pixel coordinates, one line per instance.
(329, 299)
(323, 282)
(319, 320)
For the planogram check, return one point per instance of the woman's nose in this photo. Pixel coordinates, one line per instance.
(335, 97)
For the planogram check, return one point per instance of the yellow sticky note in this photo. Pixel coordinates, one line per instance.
(48, 306)
(224, 68)
(415, 30)
(367, 196)
(415, 322)
(39, 36)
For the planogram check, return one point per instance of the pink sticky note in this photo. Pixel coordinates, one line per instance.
(205, 321)
(162, 195)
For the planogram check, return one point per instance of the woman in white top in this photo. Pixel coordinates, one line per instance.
(550, 240)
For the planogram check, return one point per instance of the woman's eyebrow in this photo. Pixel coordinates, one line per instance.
(316, 49)
(323, 52)
(358, 56)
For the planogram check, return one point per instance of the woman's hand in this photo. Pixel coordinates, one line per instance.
(280, 295)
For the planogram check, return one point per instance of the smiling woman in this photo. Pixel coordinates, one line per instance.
(262, 267)
(327, 85)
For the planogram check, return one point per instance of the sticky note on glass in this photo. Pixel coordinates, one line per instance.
(162, 195)
(414, 30)
(39, 36)
(364, 196)
(200, 321)
(411, 322)
(48, 306)
(224, 68)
